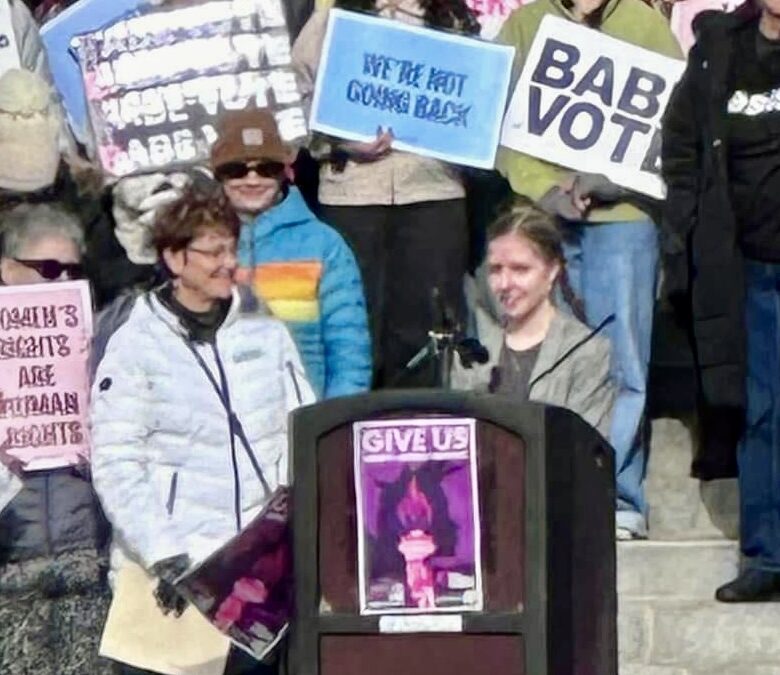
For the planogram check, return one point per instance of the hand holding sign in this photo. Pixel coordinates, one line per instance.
(370, 151)
(442, 94)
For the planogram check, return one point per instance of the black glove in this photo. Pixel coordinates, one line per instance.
(168, 571)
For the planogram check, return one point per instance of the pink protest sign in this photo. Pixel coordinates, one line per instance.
(45, 330)
(685, 11)
(492, 14)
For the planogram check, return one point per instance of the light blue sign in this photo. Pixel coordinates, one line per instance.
(443, 95)
(83, 17)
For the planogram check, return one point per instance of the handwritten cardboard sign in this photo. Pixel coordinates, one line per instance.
(81, 17)
(592, 103)
(418, 516)
(9, 52)
(157, 82)
(443, 95)
(45, 331)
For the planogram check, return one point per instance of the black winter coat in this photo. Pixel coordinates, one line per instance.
(56, 511)
(704, 263)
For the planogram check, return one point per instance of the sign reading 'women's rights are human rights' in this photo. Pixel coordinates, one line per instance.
(443, 95)
(592, 103)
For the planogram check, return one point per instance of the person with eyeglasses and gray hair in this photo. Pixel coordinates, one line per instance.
(54, 596)
(41, 242)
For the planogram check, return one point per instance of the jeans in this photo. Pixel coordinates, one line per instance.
(759, 451)
(613, 269)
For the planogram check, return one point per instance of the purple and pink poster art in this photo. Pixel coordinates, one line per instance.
(418, 516)
(45, 333)
(245, 588)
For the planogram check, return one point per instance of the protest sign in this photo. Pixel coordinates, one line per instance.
(245, 588)
(683, 14)
(491, 14)
(592, 103)
(9, 52)
(45, 331)
(81, 17)
(418, 516)
(443, 95)
(157, 82)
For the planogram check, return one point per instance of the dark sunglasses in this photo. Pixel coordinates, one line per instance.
(242, 169)
(53, 269)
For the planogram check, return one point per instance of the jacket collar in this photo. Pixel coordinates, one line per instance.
(292, 210)
(565, 336)
(172, 321)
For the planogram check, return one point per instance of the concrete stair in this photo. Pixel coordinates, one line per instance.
(669, 623)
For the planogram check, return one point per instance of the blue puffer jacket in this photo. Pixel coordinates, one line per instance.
(308, 276)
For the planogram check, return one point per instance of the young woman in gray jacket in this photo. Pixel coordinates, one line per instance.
(536, 351)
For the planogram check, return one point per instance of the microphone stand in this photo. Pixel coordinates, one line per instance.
(441, 348)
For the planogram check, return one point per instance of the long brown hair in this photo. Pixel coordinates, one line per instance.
(522, 218)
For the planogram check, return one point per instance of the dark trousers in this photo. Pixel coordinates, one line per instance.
(759, 453)
(404, 251)
(239, 663)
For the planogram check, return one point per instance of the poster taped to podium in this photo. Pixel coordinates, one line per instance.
(418, 516)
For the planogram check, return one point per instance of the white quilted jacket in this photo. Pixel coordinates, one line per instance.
(165, 469)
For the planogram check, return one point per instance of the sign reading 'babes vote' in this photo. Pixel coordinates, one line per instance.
(443, 95)
(592, 103)
(45, 331)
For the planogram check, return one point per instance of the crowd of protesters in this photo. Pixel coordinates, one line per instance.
(232, 293)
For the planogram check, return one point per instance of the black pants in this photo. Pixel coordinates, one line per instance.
(239, 663)
(404, 251)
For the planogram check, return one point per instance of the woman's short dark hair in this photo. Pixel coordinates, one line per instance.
(196, 211)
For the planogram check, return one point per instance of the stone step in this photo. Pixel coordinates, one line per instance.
(699, 637)
(680, 570)
(669, 623)
(680, 507)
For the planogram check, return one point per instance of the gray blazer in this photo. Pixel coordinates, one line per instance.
(571, 371)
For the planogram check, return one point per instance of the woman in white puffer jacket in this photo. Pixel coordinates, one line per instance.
(190, 402)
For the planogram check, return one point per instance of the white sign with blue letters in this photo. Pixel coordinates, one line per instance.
(592, 103)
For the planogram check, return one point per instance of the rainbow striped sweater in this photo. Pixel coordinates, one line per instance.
(307, 275)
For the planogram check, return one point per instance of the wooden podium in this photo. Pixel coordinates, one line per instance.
(546, 502)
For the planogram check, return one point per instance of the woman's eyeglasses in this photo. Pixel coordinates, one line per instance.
(217, 254)
(53, 269)
(233, 170)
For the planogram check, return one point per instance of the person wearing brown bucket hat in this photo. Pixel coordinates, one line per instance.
(246, 135)
(298, 265)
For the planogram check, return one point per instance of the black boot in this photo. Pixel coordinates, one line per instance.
(751, 586)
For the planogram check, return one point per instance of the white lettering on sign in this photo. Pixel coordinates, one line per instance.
(9, 51)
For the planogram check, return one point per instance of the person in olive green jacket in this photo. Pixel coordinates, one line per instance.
(611, 244)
